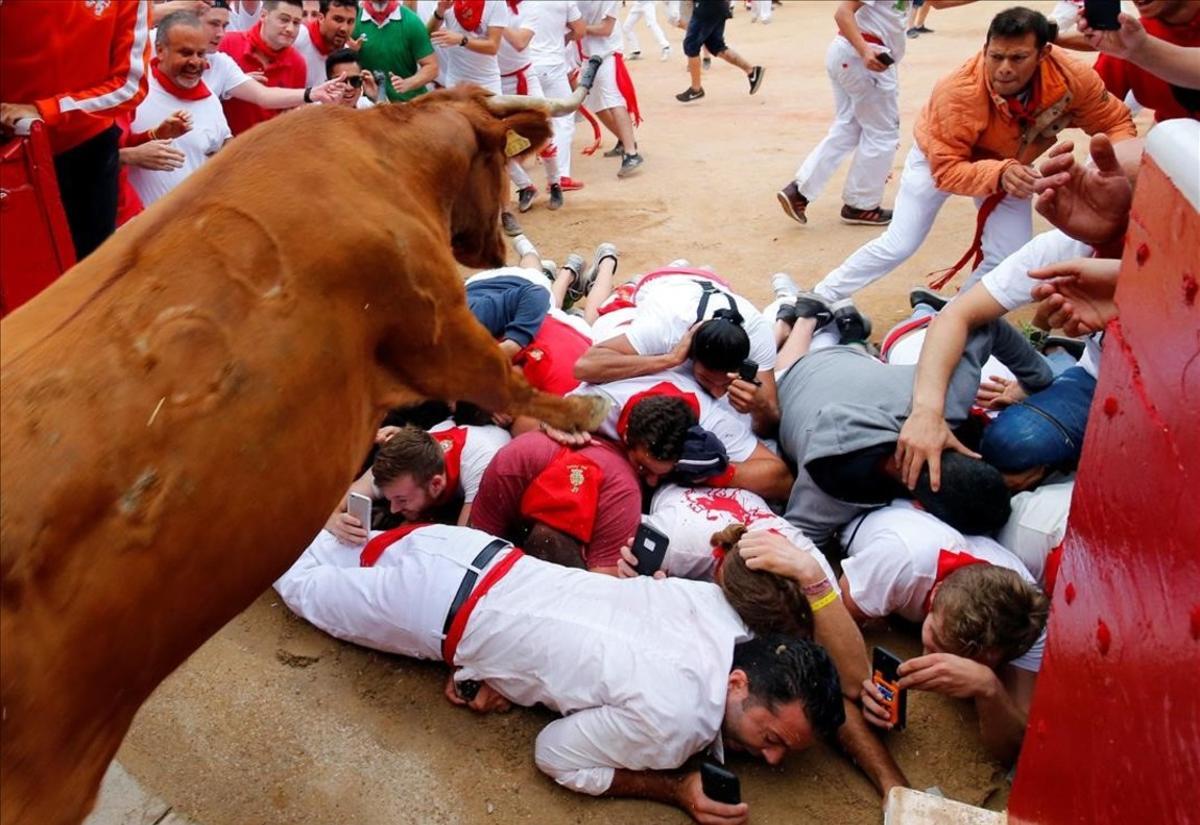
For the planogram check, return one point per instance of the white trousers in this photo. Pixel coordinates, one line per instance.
(866, 121)
(554, 83)
(644, 10)
(520, 178)
(917, 203)
(761, 10)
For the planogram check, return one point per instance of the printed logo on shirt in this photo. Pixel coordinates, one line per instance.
(446, 444)
(576, 475)
(710, 502)
(97, 6)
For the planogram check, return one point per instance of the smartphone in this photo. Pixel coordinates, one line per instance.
(719, 784)
(748, 371)
(885, 667)
(359, 506)
(467, 689)
(885, 58)
(649, 548)
(1102, 14)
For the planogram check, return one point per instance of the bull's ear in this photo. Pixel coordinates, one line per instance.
(515, 144)
(525, 132)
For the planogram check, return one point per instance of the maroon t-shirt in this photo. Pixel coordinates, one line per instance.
(497, 507)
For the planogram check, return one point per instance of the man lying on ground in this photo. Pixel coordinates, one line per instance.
(524, 631)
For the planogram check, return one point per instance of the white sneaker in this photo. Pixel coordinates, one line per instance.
(666, 54)
(524, 246)
(784, 286)
(681, 263)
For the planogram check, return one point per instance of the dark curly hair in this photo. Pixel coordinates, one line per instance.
(782, 669)
(659, 423)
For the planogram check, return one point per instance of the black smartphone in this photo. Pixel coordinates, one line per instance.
(719, 784)
(748, 371)
(1102, 14)
(467, 689)
(885, 58)
(649, 548)
(885, 674)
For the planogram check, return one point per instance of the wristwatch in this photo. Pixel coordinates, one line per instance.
(463, 42)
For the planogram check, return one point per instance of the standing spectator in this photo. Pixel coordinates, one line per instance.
(862, 64)
(1166, 21)
(244, 14)
(76, 66)
(266, 48)
(310, 10)
(915, 25)
(612, 98)
(396, 43)
(320, 36)
(983, 126)
(707, 29)
(553, 22)
(470, 33)
(216, 21)
(646, 10)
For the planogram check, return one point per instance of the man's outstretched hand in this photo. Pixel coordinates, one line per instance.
(1089, 203)
(1077, 295)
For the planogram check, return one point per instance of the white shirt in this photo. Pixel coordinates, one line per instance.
(594, 12)
(1009, 283)
(1037, 525)
(508, 57)
(690, 515)
(464, 65)
(209, 129)
(241, 20)
(312, 57)
(480, 446)
(668, 306)
(574, 641)
(885, 19)
(715, 416)
(548, 19)
(893, 557)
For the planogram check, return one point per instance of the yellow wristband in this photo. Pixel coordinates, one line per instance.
(824, 601)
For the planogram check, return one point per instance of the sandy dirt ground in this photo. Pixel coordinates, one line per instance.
(272, 721)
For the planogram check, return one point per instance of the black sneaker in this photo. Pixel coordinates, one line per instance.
(629, 165)
(635, 55)
(793, 203)
(756, 78)
(525, 197)
(924, 29)
(866, 217)
(617, 151)
(913, 33)
(1074, 347)
(556, 196)
(921, 295)
(853, 327)
(807, 305)
(508, 222)
(689, 94)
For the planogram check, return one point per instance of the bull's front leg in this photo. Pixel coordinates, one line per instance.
(464, 363)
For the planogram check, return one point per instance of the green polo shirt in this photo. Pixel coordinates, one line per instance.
(395, 47)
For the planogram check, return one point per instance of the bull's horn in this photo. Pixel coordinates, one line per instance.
(501, 105)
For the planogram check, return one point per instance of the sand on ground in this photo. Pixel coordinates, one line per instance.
(274, 722)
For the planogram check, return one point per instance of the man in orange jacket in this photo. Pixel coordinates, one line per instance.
(983, 126)
(77, 66)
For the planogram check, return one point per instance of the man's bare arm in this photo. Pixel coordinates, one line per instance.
(616, 359)
(763, 473)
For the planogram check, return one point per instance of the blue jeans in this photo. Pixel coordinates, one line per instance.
(1046, 429)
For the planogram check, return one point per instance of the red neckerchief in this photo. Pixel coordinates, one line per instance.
(468, 13)
(1026, 112)
(948, 562)
(381, 17)
(452, 441)
(197, 92)
(260, 45)
(375, 547)
(662, 388)
(512, 5)
(318, 39)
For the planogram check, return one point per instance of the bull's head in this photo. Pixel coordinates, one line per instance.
(506, 127)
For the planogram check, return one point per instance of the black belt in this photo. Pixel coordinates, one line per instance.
(468, 581)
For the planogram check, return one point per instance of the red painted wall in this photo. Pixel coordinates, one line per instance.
(1114, 732)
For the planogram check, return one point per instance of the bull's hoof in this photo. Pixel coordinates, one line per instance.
(592, 410)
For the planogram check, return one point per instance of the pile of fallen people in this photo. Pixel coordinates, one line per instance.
(808, 483)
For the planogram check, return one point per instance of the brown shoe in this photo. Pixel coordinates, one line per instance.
(793, 202)
(867, 217)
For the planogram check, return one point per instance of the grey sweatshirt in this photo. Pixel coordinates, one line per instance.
(840, 399)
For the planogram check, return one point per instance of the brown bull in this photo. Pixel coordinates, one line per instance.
(182, 410)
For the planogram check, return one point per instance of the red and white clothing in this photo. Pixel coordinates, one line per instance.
(714, 415)
(79, 63)
(284, 69)
(313, 48)
(606, 92)
(668, 305)
(464, 65)
(1123, 78)
(244, 14)
(647, 10)
(897, 554)
(548, 19)
(1036, 529)
(866, 111)
(467, 450)
(690, 515)
(209, 128)
(543, 634)
(518, 78)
